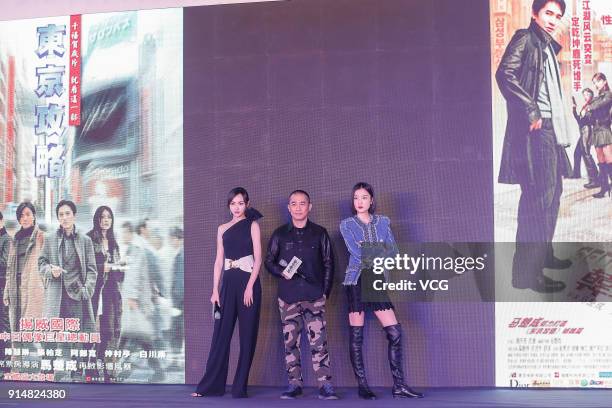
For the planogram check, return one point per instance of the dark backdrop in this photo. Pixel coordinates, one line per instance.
(320, 94)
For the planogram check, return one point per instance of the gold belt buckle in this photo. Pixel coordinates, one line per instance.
(232, 264)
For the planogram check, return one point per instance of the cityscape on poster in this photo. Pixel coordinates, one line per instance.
(87, 118)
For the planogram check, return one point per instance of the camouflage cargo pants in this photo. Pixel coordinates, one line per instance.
(294, 317)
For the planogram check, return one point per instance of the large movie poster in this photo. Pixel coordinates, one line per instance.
(552, 148)
(91, 193)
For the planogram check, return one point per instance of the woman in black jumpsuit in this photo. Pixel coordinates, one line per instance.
(239, 254)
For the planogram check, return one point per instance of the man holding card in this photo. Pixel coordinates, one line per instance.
(300, 255)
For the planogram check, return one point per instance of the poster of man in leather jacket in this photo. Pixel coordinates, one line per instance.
(544, 53)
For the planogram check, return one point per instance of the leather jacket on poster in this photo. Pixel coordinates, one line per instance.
(519, 77)
(583, 124)
(599, 114)
(316, 273)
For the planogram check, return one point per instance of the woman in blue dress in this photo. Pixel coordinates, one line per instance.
(366, 227)
(239, 256)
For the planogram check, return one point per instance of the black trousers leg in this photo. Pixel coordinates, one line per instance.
(215, 377)
(591, 167)
(95, 299)
(538, 206)
(552, 213)
(248, 323)
(578, 154)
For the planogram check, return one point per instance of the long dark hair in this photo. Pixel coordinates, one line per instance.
(96, 232)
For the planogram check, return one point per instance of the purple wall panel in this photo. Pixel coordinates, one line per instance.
(319, 94)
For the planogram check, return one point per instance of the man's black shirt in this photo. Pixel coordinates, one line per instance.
(312, 245)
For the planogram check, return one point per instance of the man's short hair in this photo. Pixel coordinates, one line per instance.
(1, 216)
(128, 226)
(300, 192)
(176, 232)
(141, 225)
(539, 5)
(589, 91)
(23, 206)
(63, 203)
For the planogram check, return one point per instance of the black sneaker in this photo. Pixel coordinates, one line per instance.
(292, 392)
(327, 392)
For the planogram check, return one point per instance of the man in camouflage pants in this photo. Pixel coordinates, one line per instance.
(294, 317)
(302, 295)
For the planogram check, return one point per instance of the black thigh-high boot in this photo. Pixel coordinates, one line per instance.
(603, 180)
(400, 389)
(356, 353)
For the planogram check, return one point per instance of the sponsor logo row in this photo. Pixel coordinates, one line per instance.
(541, 383)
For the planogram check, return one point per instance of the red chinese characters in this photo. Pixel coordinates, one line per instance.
(587, 39)
(74, 87)
(576, 53)
(598, 282)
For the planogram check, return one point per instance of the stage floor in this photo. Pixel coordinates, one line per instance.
(169, 396)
